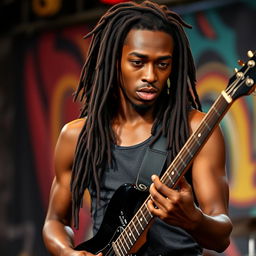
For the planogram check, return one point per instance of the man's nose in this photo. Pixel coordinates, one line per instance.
(149, 74)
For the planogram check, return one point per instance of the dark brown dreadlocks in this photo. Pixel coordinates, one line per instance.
(98, 90)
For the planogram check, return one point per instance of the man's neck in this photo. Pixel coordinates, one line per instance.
(132, 125)
(128, 113)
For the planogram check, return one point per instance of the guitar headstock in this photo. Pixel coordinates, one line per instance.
(244, 80)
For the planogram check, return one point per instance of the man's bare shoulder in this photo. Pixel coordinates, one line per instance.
(66, 145)
(74, 126)
(71, 130)
(195, 117)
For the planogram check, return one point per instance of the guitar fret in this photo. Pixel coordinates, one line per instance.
(170, 179)
(122, 247)
(206, 124)
(131, 233)
(196, 139)
(216, 111)
(139, 222)
(144, 217)
(148, 211)
(135, 228)
(123, 252)
(118, 249)
(189, 152)
(125, 241)
(183, 162)
(175, 168)
(128, 234)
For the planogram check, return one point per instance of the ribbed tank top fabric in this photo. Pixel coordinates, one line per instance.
(162, 239)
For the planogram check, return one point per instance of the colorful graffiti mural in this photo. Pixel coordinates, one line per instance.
(52, 65)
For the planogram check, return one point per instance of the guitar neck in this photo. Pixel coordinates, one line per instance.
(174, 172)
(198, 138)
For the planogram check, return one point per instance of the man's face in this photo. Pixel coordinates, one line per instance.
(146, 64)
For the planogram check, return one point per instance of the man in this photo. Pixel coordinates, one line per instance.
(138, 83)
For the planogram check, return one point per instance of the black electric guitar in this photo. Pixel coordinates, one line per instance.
(127, 216)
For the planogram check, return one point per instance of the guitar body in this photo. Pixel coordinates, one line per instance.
(121, 208)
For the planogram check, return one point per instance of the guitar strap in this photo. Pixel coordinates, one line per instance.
(152, 163)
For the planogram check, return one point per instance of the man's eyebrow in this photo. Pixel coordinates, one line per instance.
(139, 55)
(143, 56)
(167, 57)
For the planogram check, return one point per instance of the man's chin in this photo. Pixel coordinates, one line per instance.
(143, 106)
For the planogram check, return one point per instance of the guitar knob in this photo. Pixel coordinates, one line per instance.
(250, 54)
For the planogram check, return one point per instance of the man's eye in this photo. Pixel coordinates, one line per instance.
(136, 63)
(163, 65)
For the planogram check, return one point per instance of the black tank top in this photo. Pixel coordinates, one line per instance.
(162, 239)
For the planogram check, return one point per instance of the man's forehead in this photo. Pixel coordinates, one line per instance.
(141, 40)
(142, 33)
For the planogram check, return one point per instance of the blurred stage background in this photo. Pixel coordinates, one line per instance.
(41, 54)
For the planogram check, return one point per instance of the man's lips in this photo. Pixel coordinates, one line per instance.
(147, 93)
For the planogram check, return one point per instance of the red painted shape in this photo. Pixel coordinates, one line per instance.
(205, 26)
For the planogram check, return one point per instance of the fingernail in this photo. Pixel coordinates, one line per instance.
(153, 177)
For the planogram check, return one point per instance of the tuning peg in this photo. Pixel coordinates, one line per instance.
(235, 70)
(250, 54)
(240, 63)
(240, 75)
(249, 82)
(251, 63)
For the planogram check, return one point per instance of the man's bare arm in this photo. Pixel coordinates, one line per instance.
(57, 232)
